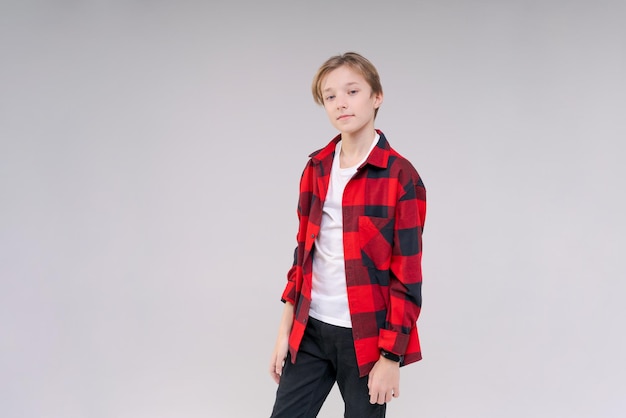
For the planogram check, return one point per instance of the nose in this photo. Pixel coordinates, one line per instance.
(341, 103)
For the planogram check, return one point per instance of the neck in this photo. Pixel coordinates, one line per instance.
(354, 147)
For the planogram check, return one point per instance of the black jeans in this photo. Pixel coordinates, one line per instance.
(326, 356)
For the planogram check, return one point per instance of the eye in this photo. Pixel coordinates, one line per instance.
(353, 92)
(327, 98)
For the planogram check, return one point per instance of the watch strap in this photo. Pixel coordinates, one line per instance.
(391, 356)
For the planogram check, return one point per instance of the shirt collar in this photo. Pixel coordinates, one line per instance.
(379, 157)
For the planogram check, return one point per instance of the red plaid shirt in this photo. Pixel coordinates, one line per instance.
(383, 217)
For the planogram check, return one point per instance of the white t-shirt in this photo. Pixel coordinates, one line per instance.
(329, 296)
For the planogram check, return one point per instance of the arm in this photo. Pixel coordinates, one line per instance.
(282, 343)
(294, 279)
(405, 298)
(405, 284)
(295, 272)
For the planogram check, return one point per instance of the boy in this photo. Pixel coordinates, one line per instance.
(353, 294)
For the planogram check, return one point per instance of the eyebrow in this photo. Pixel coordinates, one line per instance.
(327, 89)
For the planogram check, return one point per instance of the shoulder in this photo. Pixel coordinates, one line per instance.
(326, 151)
(403, 168)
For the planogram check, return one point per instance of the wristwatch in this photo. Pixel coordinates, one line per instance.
(391, 356)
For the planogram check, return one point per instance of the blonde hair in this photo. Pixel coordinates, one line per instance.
(355, 62)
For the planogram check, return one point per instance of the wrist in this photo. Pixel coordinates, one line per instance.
(391, 356)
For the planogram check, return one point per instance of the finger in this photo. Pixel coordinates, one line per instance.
(272, 370)
(278, 369)
(388, 396)
(373, 398)
(396, 392)
(273, 375)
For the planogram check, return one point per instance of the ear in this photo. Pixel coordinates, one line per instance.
(378, 100)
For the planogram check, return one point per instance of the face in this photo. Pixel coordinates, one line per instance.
(349, 101)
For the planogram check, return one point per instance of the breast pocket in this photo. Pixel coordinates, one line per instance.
(376, 238)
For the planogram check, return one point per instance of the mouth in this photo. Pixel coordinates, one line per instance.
(344, 117)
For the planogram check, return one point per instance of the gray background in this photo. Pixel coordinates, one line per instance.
(149, 160)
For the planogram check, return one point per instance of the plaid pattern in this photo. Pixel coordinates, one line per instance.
(383, 225)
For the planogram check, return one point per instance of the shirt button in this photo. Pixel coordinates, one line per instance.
(312, 235)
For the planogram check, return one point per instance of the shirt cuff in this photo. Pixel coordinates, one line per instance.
(289, 294)
(392, 341)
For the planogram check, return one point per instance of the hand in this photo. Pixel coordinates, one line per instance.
(384, 381)
(278, 358)
(282, 343)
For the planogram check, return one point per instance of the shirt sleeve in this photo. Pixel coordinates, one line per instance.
(294, 274)
(405, 286)
(289, 294)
